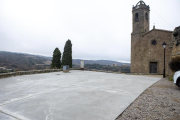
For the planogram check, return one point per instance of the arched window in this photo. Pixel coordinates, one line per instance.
(146, 16)
(136, 17)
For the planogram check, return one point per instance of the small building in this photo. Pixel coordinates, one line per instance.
(82, 65)
(9, 70)
(114, 65)
(2, 68)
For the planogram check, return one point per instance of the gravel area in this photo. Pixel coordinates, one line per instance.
(161, 101)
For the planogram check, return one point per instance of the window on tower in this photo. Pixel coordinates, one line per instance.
(146, 16)
(136, 17)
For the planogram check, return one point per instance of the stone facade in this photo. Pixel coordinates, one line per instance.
(175, 55)
(147, 52)
(176, 43)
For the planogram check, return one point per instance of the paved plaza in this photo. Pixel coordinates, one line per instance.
(77, 95)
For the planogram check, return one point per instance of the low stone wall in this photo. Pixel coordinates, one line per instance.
(10, 74)
(95, 70)
(120, 72)
(102, 71)
(143, 74)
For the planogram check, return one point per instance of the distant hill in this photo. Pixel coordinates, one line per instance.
(23, 61)
(101, 62)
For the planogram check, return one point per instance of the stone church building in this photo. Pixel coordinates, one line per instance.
(147, 52)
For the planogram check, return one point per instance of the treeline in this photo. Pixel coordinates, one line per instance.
(122, 68)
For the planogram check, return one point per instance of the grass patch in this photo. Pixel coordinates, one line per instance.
(170, 78)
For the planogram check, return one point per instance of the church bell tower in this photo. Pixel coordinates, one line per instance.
(140, 18)
(140, 25)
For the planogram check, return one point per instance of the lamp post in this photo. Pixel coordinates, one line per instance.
(164, 46)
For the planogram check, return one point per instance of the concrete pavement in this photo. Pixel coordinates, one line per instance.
(78, 95)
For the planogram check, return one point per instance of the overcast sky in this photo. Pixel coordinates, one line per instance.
(98, 29)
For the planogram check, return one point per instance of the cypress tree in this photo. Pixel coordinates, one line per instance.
(67, 54)
(56, 63)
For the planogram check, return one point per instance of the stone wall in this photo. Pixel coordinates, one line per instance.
(10, 74)
(175, 47)
(18, 73)
(143, 51)
(155, 53)
(175, 51)
(136, 53)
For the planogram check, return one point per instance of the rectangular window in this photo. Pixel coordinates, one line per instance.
(136, 17)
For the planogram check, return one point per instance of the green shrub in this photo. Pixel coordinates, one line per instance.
(170, 78)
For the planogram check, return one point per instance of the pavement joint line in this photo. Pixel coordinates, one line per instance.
(29, 96)
(13, 84)
(107, 90)
(99, 88)
(10, 115)
(26, 97)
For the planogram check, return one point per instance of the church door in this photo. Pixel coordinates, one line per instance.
(153, 67)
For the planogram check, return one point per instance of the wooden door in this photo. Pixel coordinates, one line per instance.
(153, 67)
